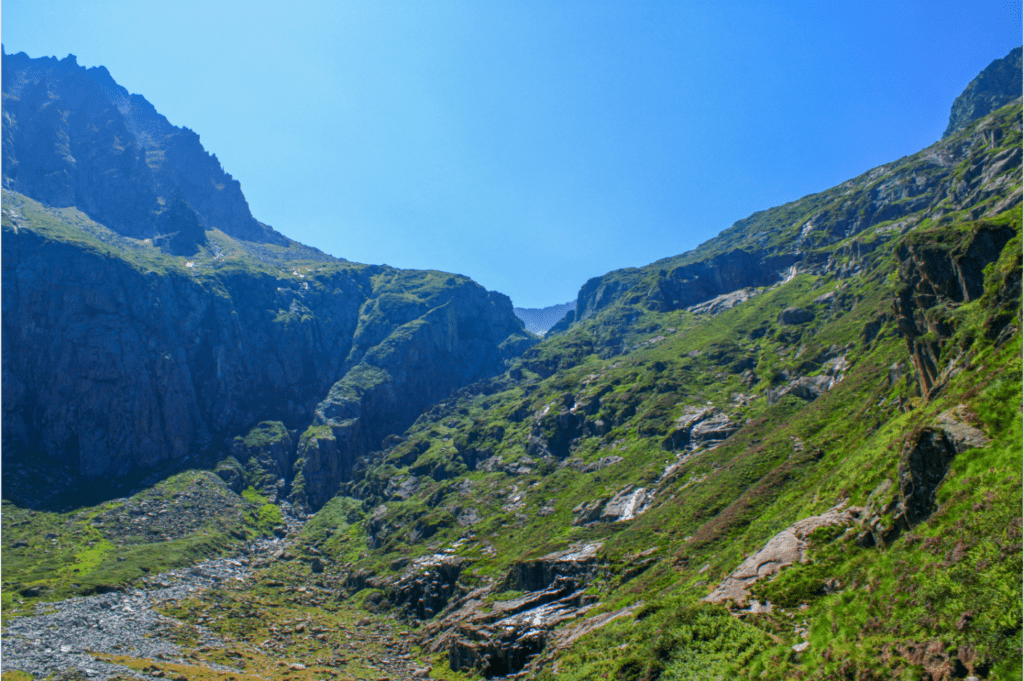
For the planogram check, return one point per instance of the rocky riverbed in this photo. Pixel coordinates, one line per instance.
(67, 635)
(89, 637)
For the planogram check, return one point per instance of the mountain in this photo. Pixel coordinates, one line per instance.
(792, 453)
(74, 137)
(998, 85)
(539, 320)
(148, 318)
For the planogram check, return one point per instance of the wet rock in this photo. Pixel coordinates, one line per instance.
(427, 586)
(502, 638)
(699, 427)
(508, 644)
(626, 504)
(541, 572)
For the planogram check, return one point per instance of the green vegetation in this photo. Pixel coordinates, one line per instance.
(608, 388)
(813, 393)
(179, 521)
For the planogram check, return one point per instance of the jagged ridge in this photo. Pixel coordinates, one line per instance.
(74, 137)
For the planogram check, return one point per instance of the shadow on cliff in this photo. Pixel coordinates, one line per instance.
(45, 485)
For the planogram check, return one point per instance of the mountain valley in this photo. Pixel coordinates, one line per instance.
(793, 452)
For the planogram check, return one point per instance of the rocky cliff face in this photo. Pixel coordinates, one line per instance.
(113, 367)
(74, 137)
(121, 358)
(937, 278)
(998, 85)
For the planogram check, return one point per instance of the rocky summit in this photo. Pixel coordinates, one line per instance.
(792, 453)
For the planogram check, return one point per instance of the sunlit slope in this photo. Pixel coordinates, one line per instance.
(878, 376)
(972, 174)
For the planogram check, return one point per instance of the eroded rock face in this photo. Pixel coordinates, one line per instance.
(998, 85)
(723, 302)
(785, 548)
(508, 644)
(699, 427)
(924, 463)
(74, 137)
(110, 371)
(936, 277)
(502, 638)
(626, 504)
(427, 587)
(923, 466)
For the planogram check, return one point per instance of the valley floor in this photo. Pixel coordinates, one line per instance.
(230, 618)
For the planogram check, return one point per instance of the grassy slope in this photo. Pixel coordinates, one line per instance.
(953, 579)
(790, 460)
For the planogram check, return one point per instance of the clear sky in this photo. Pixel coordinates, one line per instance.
(531, 144)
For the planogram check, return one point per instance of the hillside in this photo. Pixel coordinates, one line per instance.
(792, 453)
(149, 319)
(814, 400)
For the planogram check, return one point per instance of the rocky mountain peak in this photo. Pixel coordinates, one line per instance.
(73, 137)
(996, 86)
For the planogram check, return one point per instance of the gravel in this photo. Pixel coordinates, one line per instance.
(62, 637)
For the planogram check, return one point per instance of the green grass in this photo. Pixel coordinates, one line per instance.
(52, 555)
(787, 461)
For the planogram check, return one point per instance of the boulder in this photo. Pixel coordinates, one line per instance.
(626, 504)
(785, 548)
(795, 315)
(807, 388)
(713, 430)
(699, 427)
(723, 302)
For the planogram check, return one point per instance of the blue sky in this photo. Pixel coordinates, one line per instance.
(531, 145)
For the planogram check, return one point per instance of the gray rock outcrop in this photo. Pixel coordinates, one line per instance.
(699, 427)
(74, 137)
(503, 637)
(785, 548)
(111, 370)
(998, 85)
